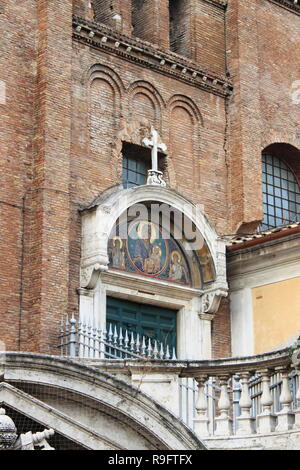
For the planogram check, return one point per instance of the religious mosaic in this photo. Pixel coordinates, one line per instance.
(147, 251)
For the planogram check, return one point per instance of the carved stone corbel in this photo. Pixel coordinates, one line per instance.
(89, 275)
(210, 300)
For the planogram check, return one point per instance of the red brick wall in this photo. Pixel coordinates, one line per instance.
(60, 121)
(114, 13)
(46, 237)
(208, 40)
(262, 60)
(150, 21)
(198, 32)
(180, 27)
(17, 80)
(221, 331)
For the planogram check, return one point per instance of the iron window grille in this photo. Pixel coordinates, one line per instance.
(281, 193)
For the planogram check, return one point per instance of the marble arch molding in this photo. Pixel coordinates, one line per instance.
(194, 302)
(88, 406)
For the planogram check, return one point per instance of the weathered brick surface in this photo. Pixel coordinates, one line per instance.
(197, 30)
(17, 76)
(66, 103)
(262, 46)
(150, 21)
(221, 331)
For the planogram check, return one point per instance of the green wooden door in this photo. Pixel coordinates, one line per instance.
(148, 320)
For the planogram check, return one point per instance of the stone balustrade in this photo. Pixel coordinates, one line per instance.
(237, 397)
(268, 393)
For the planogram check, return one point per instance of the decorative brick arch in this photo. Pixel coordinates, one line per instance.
(147, 89)
(179, 103)
(188, 104)
(107, 74)
(115, 84)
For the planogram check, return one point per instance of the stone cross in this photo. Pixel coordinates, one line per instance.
(155, 147)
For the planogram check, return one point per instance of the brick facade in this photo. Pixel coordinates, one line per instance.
(70, 97)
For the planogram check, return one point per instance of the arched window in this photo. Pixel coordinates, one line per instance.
(281, 193)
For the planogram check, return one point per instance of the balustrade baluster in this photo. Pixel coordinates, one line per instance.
(246, 424)
(296, 365)
(297, 411)
(285, 417)
(236, 396)
(201, 422)
(223, 421)
(266, 420)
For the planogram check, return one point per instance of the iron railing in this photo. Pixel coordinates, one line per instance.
(78, 339)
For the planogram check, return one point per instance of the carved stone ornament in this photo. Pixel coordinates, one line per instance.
(8, 431)
(9, 439)
(210, 301)
(90, 275)
(155, 177)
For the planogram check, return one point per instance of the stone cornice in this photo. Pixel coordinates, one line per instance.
(185, 368)
(101, 37)
(288, 5)
(150, 286)
(222, 4)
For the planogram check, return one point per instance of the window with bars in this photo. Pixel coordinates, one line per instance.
(281, 193)
(136, 163)
(134, 172)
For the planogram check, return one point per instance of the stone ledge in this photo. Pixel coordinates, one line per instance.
(288, 5)
(135, 50)
(289, 440)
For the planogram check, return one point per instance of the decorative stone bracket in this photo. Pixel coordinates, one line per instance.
(210, 300)
(90, 275)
